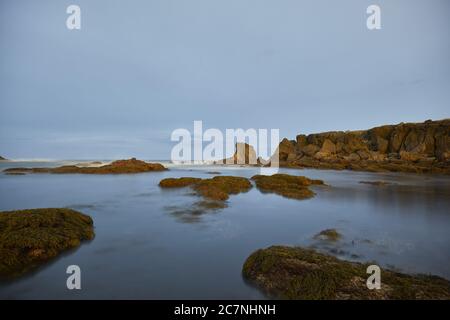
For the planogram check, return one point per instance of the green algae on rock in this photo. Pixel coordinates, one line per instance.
(31, 237)
(216, 188)
(298, 273)
(295, 187)
(116, 167)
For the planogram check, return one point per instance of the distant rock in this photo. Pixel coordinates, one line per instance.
(244, 154)
(117, 167)
(1, 158)
(407, 147)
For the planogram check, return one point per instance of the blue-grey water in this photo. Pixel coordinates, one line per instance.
(151, 244)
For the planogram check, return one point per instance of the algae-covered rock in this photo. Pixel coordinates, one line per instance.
(178, 182)
(297, 273)
(216, 188)
(295, 187)
(117, 167)
(31, 237)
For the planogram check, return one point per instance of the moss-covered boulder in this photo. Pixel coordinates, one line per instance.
(216, 188)
(297, 273)
(31, 237)
(116, 167)
(295, 187)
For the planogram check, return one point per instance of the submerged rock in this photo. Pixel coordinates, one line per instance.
(295, 187)
(297, 273)
(31, 237)
(376, 183)
(328, 234)
(117, 167)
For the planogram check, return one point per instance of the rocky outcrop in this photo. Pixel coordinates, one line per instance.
(117, 167)
(297, 273)
(1, 158)
(408, 147)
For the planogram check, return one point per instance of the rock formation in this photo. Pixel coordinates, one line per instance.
(1, 158)
(243, 154)
(409, 147)
(117, 167)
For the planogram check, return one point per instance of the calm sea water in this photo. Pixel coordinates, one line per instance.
(150, 244)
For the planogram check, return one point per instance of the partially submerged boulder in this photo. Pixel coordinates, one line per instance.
(31, 237)
(116, 167)
(295, 187)
(216, 188)
(328, 235)
(297, 273)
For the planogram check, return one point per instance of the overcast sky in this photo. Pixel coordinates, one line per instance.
(137, 70)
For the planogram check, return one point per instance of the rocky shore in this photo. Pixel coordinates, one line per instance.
(29, 238)
(117, 167)
(297, 273)
(405, 147)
